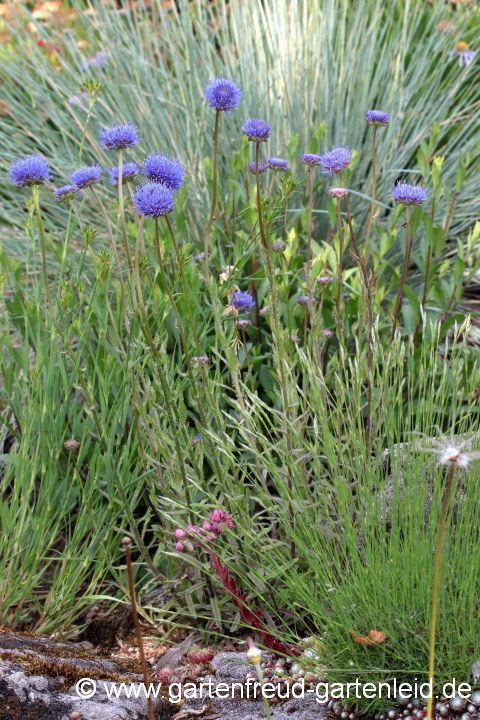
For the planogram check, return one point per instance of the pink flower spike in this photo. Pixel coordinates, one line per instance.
(179, 534)
(207, 526)
(195, 530)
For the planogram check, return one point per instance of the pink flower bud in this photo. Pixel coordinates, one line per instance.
(179, 534)
(180, 546)
(207, 525)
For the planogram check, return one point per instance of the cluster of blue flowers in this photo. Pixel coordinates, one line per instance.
(166, 176)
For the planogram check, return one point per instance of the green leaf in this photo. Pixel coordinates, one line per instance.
(415, 302)
(409, 318)
(438, 240)
(460, 176)
(417, 216)
(332, 211)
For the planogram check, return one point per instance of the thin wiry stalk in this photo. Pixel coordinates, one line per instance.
(367, 284)
(309, 257)
(373, 208)
(115, 252)
(277, 335)
(41, 232)
(408, 247)
(214, 189)
(436, 583)
(121, 210)
(127, 545)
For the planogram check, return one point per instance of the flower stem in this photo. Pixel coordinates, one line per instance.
(172, 301)
(41, 232)
(214, 190)
(436, 583)
(278, 340)
(127, 545)
(374, 187)
(368, 290)
(121, 210)
(309, 256)
(339, 270)
(408, 247)
(114, 247)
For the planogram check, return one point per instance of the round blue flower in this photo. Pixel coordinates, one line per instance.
(309, 159)
(242, 301)
(252, 168)
(100, 60)
(409, 194)
(222, 94)
(67, 192)
(336, 160)
(465, 55)
(196, 439)
(32, 170)
(86, 176)
(304, 300)
(277, 164)
(118, 137)
(129, 171)
(153, 200)
(376, 117)
(162, 169)
(256, 130)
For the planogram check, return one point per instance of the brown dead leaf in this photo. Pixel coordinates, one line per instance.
(360, 639)
(378, 636)
(375, 637)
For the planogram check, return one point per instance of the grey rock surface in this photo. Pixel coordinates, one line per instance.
(38, 680)
(232, 667)
(26, 694)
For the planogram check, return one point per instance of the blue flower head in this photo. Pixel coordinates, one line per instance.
(465, 55)
(86, 176)
(306, 301)
(161, 169)
(252, 168)
(154, 200)
(256, 130)
(100, 60)
(129, 171)
(277, 164)
(336, 160)
(118, 137)
(67, 192)
(222, 94)
(409, 194)
(376, 117)
(309, 159)
(242, 301)
(32, 170)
